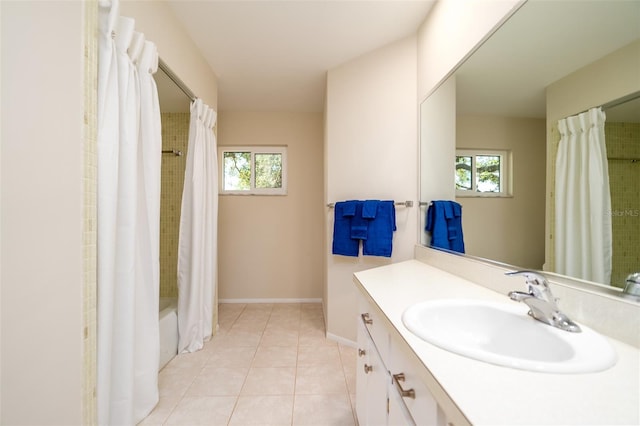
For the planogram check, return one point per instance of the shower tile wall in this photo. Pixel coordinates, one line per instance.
(175, 135)
(89, 227)
(623, 141)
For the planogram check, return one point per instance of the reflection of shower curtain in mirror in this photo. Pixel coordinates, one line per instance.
(583, 241)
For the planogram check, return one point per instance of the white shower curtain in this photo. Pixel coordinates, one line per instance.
(129, 148)
(583, 240)
(197, 247)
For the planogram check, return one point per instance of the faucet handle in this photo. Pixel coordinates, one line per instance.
(532, 278)
(541, 301)
(537, 285)
(632, 284)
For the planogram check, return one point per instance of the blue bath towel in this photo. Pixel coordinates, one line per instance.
(444, 222)
(343, 244)
(381, 226)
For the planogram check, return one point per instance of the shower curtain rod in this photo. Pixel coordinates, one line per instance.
(621, 101)
(173, 77)
(175, 152)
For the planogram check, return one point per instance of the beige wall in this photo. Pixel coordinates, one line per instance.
(370, 153)
(270, 247)
(42, 169)
(509, 230)
(612, 77)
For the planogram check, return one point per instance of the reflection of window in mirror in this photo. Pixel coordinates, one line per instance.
(483, 173)
(253, 170)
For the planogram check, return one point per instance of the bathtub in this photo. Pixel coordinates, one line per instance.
(168, 329)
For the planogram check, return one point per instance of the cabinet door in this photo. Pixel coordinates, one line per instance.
(418, 399)
(375, 327)
(398, 413)
(372, 379)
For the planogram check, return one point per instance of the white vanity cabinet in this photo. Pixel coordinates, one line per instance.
(389, 390)
(454, 390)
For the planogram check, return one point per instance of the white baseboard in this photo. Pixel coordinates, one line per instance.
(342, 340)
(311, 300)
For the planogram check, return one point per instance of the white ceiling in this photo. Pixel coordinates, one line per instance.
(274, 55)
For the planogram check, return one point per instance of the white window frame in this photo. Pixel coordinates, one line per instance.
(256, 149)
(505, 173)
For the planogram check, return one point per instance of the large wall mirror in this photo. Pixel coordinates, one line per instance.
(549, 60)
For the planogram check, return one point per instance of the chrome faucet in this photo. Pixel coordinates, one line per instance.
(541, 302)
(632, 285)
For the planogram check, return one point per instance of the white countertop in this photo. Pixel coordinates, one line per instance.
(488, 394)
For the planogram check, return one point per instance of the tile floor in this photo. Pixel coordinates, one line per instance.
(269, 364)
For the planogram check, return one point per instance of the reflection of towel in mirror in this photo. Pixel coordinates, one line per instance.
(444, 222)
(382, 224)
(343, 244)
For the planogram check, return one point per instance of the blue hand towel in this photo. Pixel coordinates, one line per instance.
(358, 223)
(369, 209)
(343, 244)
(379, 240)
(444, 222)
(348, 208)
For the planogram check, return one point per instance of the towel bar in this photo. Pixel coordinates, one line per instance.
(425, 203)
(397, 203)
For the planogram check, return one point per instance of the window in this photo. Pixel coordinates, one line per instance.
(255, 170)
(482, 173)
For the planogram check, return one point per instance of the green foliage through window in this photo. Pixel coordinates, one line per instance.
(481, 172)
(463, 172)
(237, 171)
(253, 170)
(488, 173)
(268, 170)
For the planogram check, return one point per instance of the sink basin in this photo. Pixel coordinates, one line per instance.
(503, 334)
